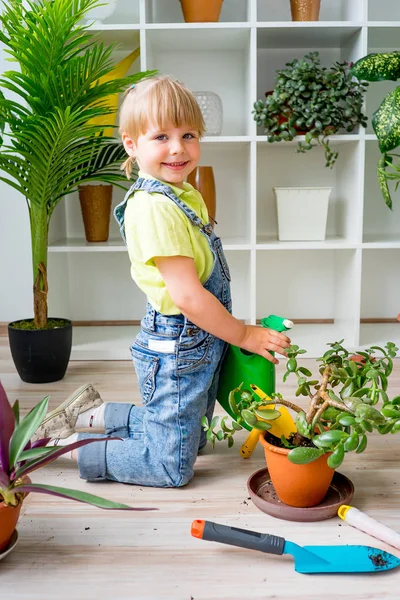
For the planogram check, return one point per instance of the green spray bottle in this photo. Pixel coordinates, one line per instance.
(240, 366)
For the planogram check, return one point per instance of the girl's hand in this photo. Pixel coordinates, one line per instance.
(259, 340)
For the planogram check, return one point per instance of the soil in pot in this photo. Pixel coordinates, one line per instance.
(296, 485)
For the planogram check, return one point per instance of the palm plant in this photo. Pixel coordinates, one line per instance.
(49, 142)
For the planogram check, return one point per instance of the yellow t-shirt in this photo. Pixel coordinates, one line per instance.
(155, 226)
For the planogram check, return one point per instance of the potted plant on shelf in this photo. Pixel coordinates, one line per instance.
(311, 100)
(385, 120)
(347, 401)
(49, 145)
(19, 457)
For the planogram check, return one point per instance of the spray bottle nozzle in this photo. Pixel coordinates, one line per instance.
(277, 323)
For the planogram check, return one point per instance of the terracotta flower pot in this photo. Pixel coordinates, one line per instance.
(305, 10)
(201, 11)
(9, 516)
(297, 485)
(8, 521)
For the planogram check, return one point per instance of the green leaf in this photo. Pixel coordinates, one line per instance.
(249, 418)
(378, 67)
(236, 426)
(352, 442)
(25, 430)
(362, 445)
(214, 422)
(268, 413)
(382, 179)
(329, 438)
(301, 424)
(76, 495)
(263, 425)
(336, 458)
(303, 455)
(386, 122)
(391, 411)
(370, 413)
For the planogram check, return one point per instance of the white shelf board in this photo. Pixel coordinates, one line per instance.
(103, 343)
(315, 337)
(378, 334)
(191, 26)
(81, 245)
(330, 243)
(333, 139)
(332, 34)
(226, 139)
(117, 245)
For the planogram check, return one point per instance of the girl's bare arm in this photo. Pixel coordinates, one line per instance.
(202, 308)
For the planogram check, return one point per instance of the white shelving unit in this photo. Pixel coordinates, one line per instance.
(352, 275)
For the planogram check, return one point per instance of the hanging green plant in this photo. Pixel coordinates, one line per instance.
(314, 100)
(386, 119)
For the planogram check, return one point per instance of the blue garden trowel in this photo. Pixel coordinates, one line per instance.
(307, 559)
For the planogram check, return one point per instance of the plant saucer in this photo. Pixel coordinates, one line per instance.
(11, 545)
(263, 494)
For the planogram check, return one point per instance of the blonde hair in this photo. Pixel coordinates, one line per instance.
(158, 101)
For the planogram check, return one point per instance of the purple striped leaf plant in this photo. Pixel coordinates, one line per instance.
(19, 457)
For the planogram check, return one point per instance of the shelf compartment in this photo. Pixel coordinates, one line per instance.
(208, 53)
(380, 283)
(334, 10)
(306, 36)
(380, 224)
(380, 39)
(169, 11)
(311, 286)
(233, 199)
(384, 10)
(125, 11)
(278, 165)
(126, 37)
(240, 269)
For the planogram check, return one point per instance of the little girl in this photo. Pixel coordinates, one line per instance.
(178, 262)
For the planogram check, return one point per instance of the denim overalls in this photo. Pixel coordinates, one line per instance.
(177, 365)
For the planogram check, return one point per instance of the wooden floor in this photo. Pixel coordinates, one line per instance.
(68, 551)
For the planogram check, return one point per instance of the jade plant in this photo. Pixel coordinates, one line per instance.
(386, 119)
(19, 457)
(312, 100)
(347, 401)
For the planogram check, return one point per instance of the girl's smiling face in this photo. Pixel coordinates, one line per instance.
(168, 154)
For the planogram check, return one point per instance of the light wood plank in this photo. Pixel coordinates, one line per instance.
(69, 550)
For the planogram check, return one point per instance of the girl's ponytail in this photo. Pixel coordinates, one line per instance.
(127, 166)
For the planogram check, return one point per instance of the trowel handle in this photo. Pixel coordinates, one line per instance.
(244, 538)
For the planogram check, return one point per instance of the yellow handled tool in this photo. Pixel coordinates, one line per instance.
(282, 426)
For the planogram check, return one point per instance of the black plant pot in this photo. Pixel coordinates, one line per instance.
(41, 355)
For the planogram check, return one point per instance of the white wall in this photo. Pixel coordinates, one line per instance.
(15, 247)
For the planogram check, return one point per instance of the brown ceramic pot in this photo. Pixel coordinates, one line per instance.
(297, 485)
(202, 179)
(201, 11)
(95, 201)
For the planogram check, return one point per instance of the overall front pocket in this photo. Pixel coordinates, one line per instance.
(146, 366)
